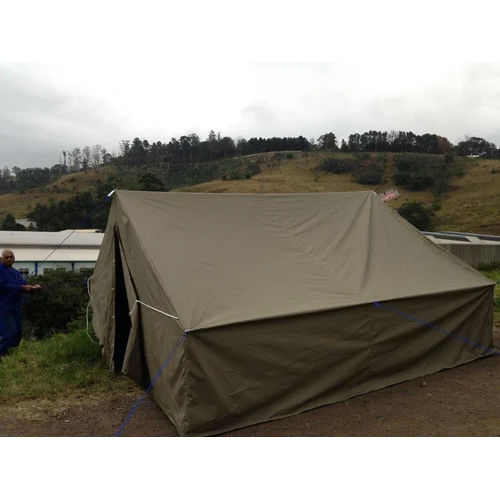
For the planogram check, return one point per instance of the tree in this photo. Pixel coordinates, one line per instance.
(327, 142)
(86, 158)
(10, 224)
(124, 148)
(227, 147)
(149, 182)
(354, 142)
(242, 147)
(416, 214)
(97, 155)
(75, 160)
(476, 146)
(138, 154)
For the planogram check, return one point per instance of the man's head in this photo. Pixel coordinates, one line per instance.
(8, 258)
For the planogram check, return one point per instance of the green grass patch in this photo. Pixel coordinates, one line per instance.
(59, 365)
(494, 275)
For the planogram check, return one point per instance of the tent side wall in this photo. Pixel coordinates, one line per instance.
(245, 374)
(123, 275)
(102, 284)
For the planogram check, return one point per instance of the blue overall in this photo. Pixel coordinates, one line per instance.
(11, 293)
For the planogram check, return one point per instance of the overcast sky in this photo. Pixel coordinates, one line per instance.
(133, 73)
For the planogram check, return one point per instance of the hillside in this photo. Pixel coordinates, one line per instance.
(472, 204)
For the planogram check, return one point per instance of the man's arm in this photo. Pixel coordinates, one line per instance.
(7, 288)
(24, 285)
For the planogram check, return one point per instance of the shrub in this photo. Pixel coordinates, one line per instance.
(436, 205)
(418, 215)
(63, 299)
(252, 169)
(420, 171)
(336, 166)
(149, 182)
(289, 156)
(369, 176)
(493, 266)
(362, 155)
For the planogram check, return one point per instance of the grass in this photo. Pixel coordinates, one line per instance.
(494, 275)
(64, 364)
(474, 204)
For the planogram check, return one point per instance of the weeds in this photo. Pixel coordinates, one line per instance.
(60, 364)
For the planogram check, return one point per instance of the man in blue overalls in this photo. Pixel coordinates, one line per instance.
(12, 287)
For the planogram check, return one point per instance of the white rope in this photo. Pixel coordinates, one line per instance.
(88, 286)
(88, 334)
(88, 307)
(151, 307)
(130, 313)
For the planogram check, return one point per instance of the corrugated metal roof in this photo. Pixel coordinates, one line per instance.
(59, 255)
(76, 238)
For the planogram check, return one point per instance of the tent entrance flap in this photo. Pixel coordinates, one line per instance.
(122, 318)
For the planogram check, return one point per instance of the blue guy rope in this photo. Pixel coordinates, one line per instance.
(439, 329)
(152, 383)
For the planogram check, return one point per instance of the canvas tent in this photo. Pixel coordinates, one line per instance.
(279, 295)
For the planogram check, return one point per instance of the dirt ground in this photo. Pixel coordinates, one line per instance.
(463, 401)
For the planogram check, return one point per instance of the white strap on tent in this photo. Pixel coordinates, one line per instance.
(151, 307)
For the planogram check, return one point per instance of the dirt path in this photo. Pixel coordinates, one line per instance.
(464, 401)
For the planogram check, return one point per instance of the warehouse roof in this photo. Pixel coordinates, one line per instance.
(66, 238)
(34, 254)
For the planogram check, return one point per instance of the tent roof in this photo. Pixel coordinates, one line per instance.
(231, 258)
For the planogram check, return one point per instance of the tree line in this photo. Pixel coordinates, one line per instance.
(76, 160)
(189, 148)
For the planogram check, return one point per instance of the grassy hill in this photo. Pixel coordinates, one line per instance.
(64, 188)
(472, 204)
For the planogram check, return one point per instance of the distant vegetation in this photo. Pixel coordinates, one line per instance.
(418, 172)
(9, 224)
(82, 211)
(60, 305)
(423, 162)
(365, 168)
(417, 214)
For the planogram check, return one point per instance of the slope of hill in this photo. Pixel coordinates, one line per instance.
(472, 204)
(67, 186)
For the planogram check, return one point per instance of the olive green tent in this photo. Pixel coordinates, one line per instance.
(289, 301)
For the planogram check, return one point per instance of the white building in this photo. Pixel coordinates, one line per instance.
(37, 252)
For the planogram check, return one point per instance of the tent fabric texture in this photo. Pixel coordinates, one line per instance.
(289, 301)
